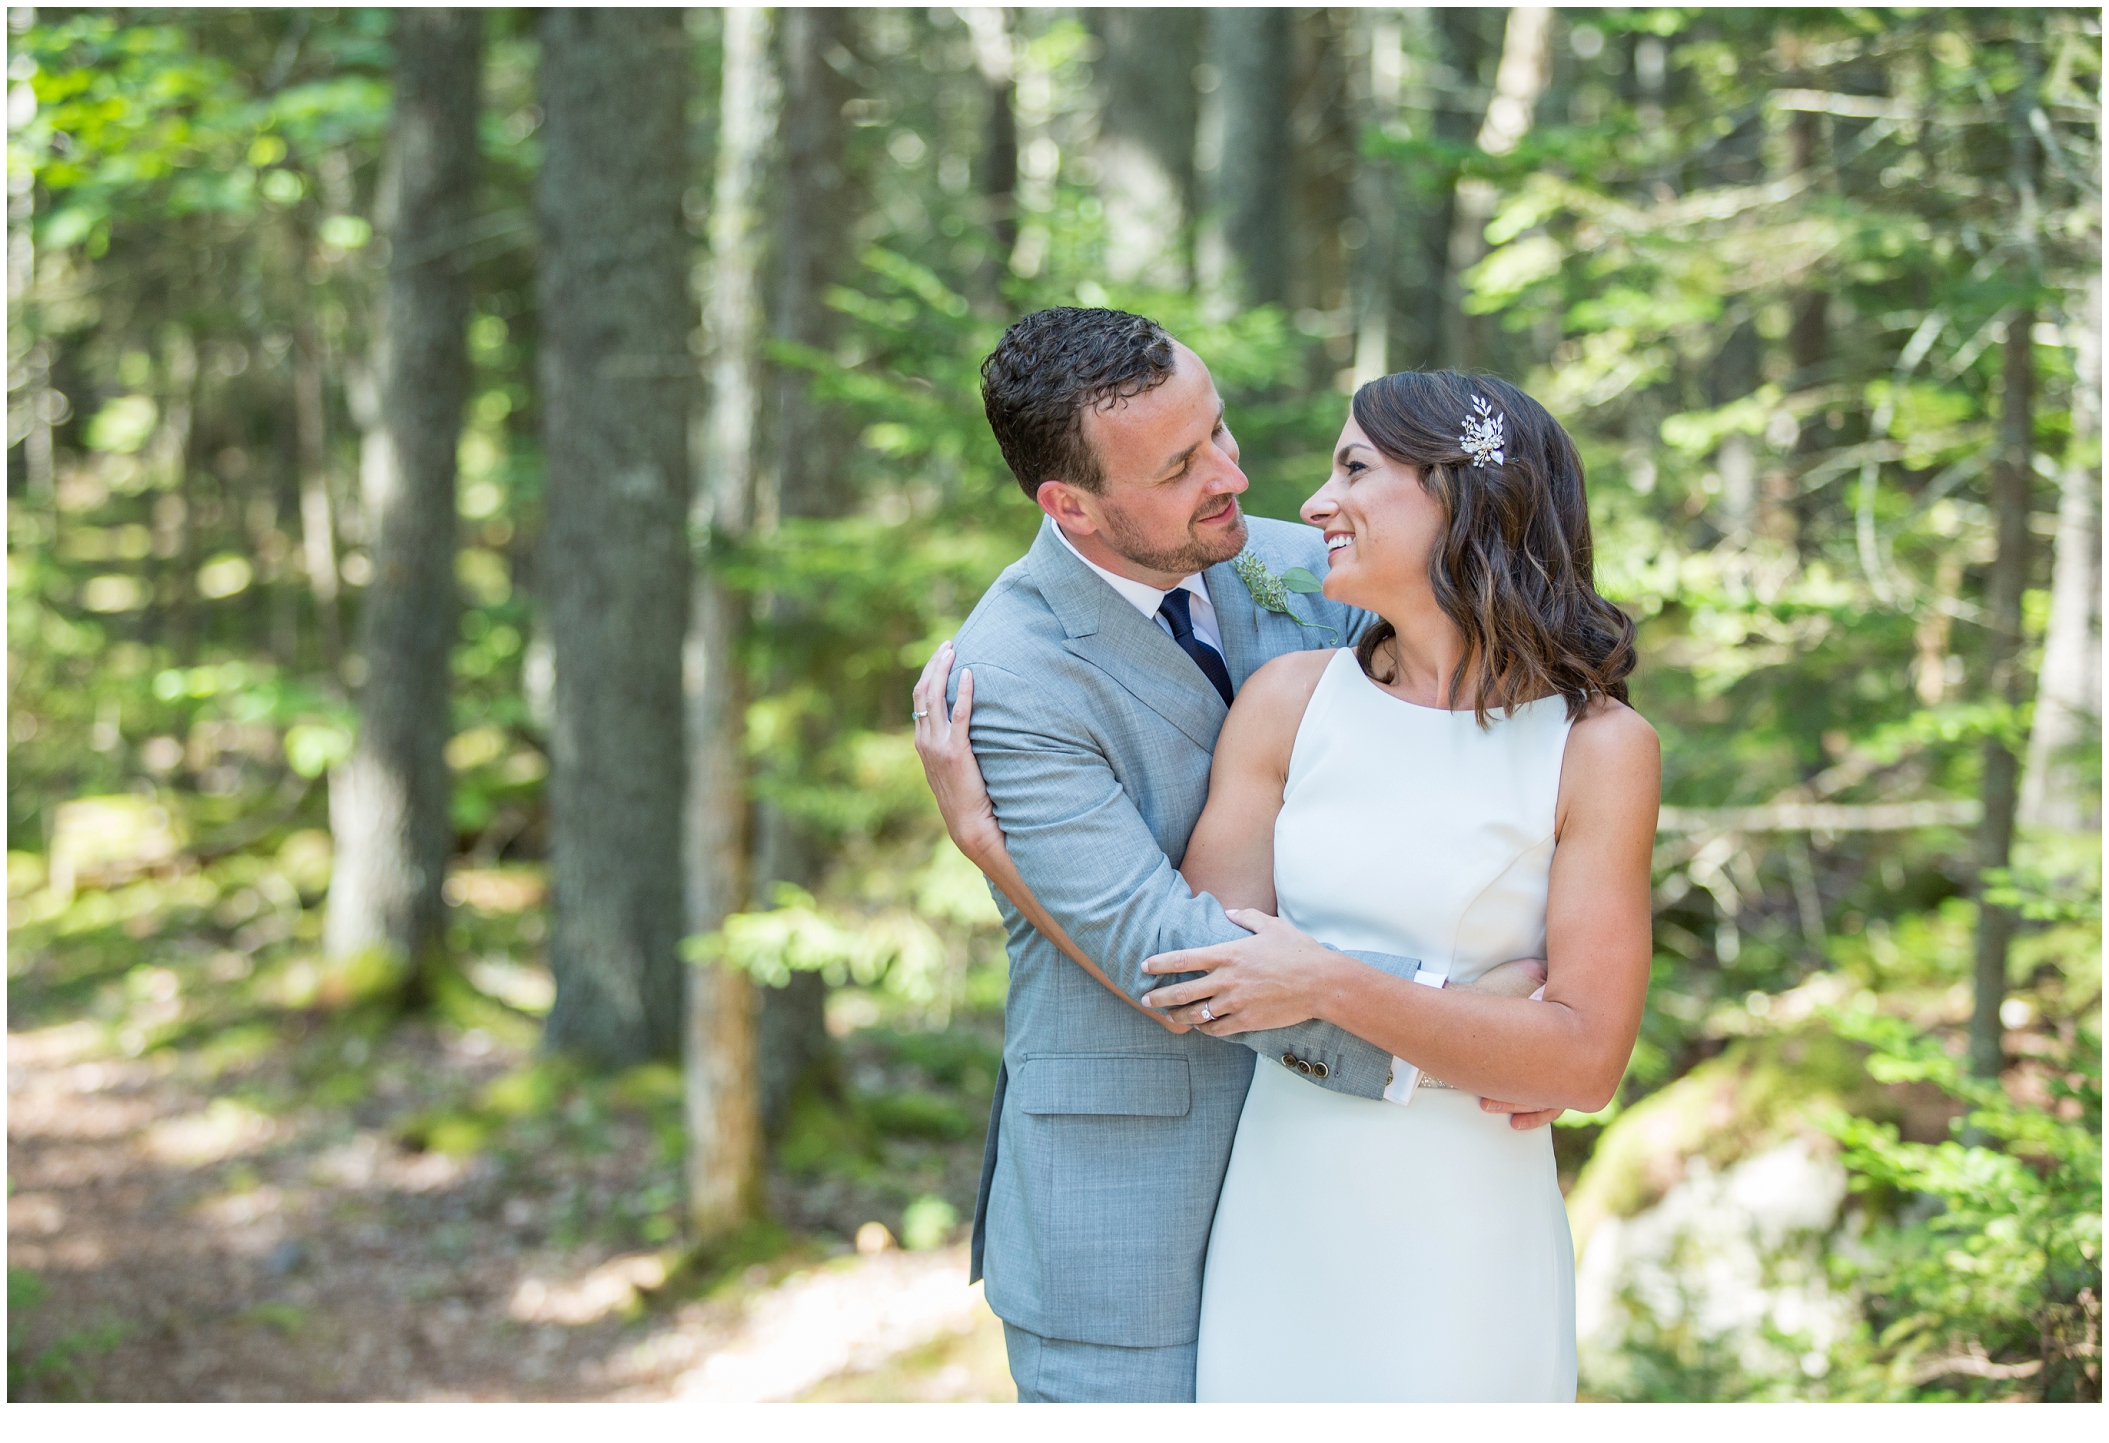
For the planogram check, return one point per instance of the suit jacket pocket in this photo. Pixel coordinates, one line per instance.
(1103, 1084)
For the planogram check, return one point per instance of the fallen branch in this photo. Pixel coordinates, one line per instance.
(1974, 1365)
(1821, 817)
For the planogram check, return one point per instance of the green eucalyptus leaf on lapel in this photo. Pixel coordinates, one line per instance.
(1271, 592)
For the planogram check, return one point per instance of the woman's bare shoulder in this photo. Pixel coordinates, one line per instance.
(1289, 678)
(1613, 764)
(1270, 707)
(1610, 731)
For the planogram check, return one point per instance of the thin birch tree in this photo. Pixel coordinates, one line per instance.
(721, 1088)
(2068, 692)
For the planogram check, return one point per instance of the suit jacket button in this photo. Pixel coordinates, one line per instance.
(1303, 1067)
(1289, 1060)
(1320, 1071)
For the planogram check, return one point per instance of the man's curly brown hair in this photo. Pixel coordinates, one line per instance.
(1052, 367)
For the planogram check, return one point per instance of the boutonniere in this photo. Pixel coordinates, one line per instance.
(1271, 592)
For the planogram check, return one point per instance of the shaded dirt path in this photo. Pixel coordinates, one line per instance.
(187, 1246)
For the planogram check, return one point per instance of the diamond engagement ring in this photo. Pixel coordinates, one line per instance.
(1206, 1015)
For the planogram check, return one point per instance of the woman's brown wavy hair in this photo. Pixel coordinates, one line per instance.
(1513, 567)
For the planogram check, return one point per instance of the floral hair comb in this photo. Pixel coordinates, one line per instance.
(1484, 439)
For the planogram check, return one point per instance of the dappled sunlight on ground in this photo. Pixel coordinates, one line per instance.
(847, 1319)
(240, 1172)
(192, 1248)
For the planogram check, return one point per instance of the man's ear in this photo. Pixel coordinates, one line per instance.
(1063, 502)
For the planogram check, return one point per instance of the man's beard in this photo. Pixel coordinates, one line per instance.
(1194, 554)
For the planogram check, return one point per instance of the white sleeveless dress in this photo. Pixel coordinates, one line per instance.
(1364, 1251)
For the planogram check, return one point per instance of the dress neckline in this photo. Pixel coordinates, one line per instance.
(1497, 713)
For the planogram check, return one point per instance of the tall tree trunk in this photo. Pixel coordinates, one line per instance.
(720, 1087)
(1808, 334)
(318, 539)
(2068, 693)
(1145, 148)
(1738, 160)
(1250, 50)
(997, 183)
(816, 207)
(1417, 327)
(1521, 77)
(389, 804)
(2002, 609)
(36, 440)
(172, 458)
(2012, 477)
(616, 383)
(1376, 201)
(1324, 155)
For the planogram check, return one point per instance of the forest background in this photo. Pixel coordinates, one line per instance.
(481, 484)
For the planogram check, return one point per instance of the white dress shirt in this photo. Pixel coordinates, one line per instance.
(1146, 598)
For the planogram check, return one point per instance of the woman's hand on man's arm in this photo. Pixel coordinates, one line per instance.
(947, 755)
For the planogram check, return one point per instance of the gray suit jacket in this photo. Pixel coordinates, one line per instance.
(1110, 1136)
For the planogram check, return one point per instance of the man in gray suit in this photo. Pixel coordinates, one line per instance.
(1102, 665)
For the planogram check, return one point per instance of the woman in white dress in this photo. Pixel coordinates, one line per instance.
(1466, 787)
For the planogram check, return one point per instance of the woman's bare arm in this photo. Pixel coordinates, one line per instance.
(1231, 853)
(998, 867)
(1571, 1053)
(970, 818)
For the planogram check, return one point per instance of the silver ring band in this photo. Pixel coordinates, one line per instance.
(918, 715)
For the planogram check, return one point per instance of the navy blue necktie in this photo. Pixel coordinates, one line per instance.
(1174, 610)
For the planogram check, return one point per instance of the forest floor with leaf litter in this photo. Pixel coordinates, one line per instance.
(237, 1175)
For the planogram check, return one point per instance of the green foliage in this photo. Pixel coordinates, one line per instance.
(552, 1102)
(1983, 1281)
(281, 1317)
(131, 116)
(1774, 333)
(928, 1223)
(824, 1138)
(762, 1245)
(57, 1370)
(1759, 1091)
(921, 1114)
(796, 936)
(25, 1290)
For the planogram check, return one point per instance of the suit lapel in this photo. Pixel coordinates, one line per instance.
(1244, 650)
(1152, 667)
(1103, 629)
